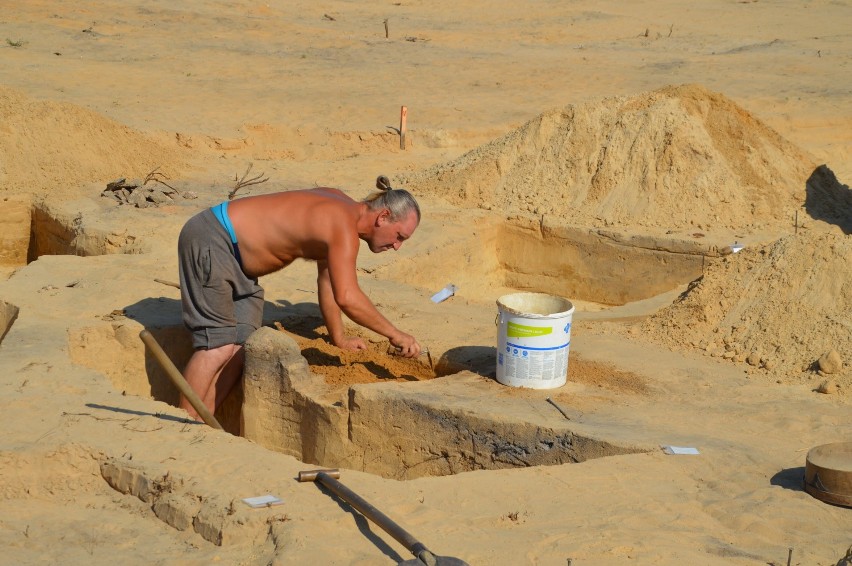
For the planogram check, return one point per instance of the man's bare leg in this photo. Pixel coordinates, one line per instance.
(229, 376)
(205, 369)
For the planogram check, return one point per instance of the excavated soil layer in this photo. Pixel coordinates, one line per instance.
(406, 429)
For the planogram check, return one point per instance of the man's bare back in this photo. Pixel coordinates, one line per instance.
(275, 229)
(326, 226)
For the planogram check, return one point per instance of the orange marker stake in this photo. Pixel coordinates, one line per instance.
(403, 116)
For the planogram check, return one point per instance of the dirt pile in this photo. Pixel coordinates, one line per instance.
(342, 368)
(678, 157)
(780, 307)
(46, 145)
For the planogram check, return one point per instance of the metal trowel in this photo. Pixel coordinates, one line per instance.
(394, 351)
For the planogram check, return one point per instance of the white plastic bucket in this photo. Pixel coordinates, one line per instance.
(534, 333)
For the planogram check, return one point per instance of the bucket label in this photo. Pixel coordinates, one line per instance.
(515, 330)
(532, 367)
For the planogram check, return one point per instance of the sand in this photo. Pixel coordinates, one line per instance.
(578, 149)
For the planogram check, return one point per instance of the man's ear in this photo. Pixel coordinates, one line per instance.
(383, 217)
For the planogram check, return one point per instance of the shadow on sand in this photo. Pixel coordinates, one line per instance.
(791, 478)
(829, 200)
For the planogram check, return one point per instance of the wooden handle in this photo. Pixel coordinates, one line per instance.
(178, 380)
(311, 475)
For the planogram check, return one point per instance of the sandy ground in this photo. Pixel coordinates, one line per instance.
(309, 94)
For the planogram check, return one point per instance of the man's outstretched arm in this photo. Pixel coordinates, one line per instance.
(331, 312)
(349, 297)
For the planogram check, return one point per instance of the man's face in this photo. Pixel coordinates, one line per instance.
(390, 235)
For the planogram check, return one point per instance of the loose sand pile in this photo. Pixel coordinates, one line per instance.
(779, 308)
(684, 157)
(676, 157)
(47, 145)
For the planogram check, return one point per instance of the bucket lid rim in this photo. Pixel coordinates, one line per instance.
(501, 304)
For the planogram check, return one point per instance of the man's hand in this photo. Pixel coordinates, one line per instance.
(406, 345)
(351, 343)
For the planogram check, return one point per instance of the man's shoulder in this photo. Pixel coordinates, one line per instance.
(331, 192)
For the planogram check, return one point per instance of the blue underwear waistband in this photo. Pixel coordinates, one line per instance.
(221, 213)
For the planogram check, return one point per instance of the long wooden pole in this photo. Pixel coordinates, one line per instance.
(403, 117)
(178, 380)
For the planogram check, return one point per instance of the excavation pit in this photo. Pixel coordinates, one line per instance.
(545, 254)
(33, 228)
(403, 429)
(400, 418)
(370, 410)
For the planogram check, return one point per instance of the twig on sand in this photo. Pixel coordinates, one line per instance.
(243, 182)
(558, 408)
(64, 413)
(124, 422)
(157, 177)
(169, 283)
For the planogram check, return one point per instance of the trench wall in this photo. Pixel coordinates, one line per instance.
(593, 265)
(396, 430)
(15, 230)
(29, 230)
(544, 254)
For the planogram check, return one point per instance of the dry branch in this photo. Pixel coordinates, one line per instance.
(169, 283)
(157, 177)
(242, 182)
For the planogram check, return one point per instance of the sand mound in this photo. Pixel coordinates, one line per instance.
(780, 307)
(56, 146)
(675, 157)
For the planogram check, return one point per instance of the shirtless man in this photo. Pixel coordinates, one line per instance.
(223, 250)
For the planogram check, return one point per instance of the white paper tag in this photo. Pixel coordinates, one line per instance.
(262, 501)
(680, 450)
(444, 293)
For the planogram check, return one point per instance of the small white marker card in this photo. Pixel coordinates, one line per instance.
(679, 450)
(444, 293)
(262, 501)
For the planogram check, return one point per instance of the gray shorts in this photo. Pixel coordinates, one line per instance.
(221, 305)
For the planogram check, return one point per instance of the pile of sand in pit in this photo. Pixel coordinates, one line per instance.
(342, 368)
(52, 146)
(678, 157)
(777, 309)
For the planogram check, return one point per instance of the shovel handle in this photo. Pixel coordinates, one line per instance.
(406, 539)
(178, 380)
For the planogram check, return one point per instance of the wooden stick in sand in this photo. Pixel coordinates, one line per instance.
(169, 283)
(403, 116)
(176, 377)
